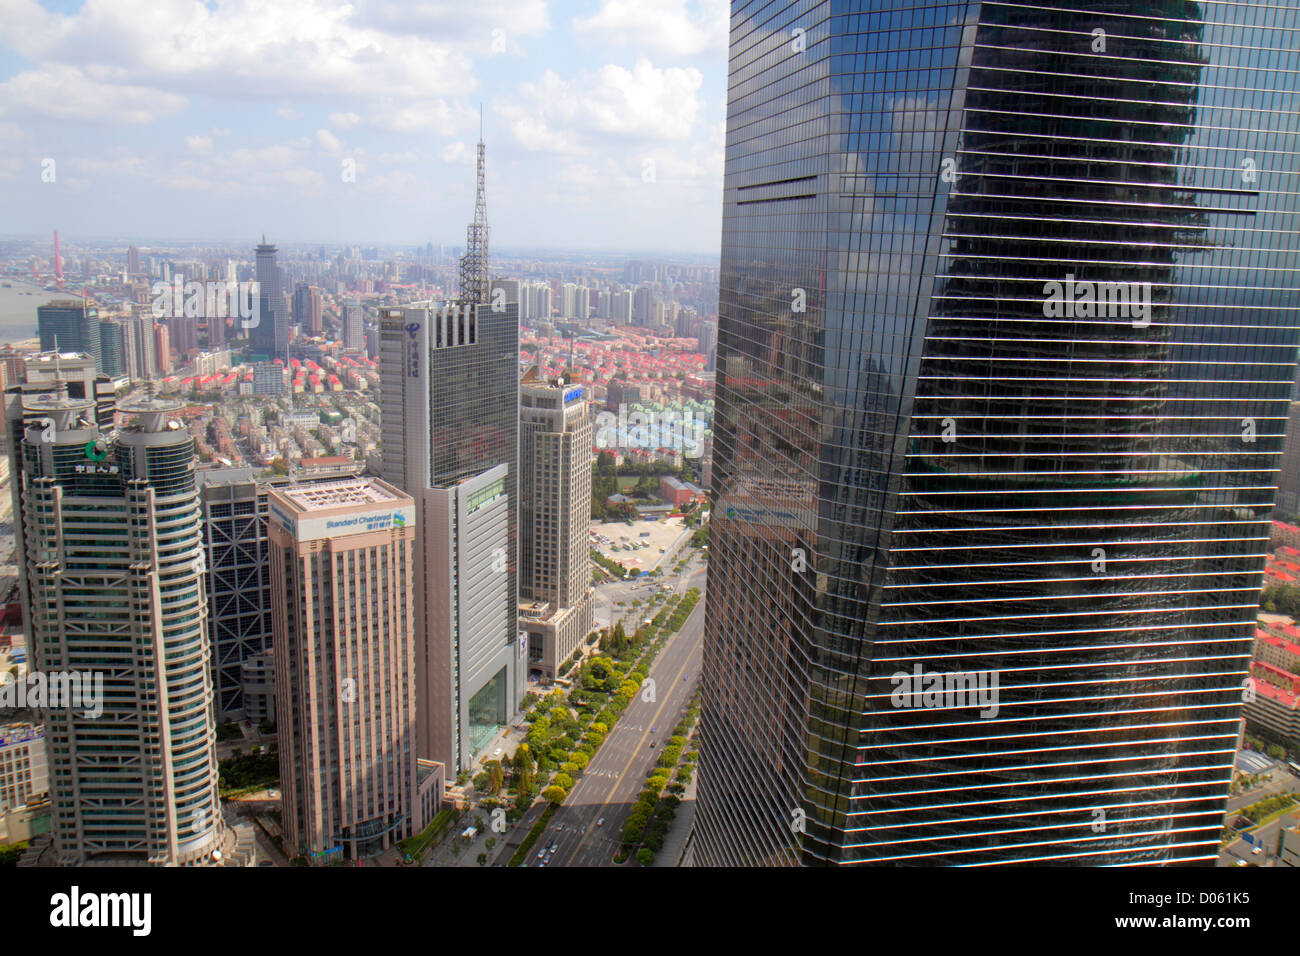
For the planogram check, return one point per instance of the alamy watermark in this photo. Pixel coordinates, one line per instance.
(940, 690)
(1082, 299)
(650, 431)
(212, 300)
(74, 690)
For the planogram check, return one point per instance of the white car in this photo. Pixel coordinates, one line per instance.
(1258, 850)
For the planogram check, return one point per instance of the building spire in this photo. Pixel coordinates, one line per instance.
(474, 264)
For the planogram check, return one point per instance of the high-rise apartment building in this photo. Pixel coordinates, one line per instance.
(113, 563)
(555, 595)
(308, 308)
(354, 326)
(1005, 352)
(162, 348)
(342, 563)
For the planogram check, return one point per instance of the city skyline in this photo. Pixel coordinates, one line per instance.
(935, 504)
(381, 119)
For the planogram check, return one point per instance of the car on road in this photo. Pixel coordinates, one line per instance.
(1258, 850)
(541, 854)
(652, 743)
(600, 822)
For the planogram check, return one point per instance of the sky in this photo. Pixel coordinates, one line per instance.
(310, 120)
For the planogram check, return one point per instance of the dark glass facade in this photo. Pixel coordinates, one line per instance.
(270, 337)
(1006, 342)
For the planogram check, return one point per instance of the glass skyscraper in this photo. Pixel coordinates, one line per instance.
(1006, 343)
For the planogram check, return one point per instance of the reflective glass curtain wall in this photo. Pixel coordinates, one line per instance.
(1007, 336)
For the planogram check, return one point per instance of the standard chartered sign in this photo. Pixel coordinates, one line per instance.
(336, 526)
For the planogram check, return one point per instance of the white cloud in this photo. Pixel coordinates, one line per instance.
(288, 113)
(668, 27)
(437, 117)
(645, 104)
(457, 19)
(66, 93)
(202, 145)
(457, 153)
(138, 48)
(328, 142)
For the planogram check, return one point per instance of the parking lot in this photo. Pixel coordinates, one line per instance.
(636, 546)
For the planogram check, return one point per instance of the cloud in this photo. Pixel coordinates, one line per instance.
(66, 93)
(202, 145)
(310, 49)
(453, 18)
(437, 117)
(328, 142)
(288, 113)
(665, 27)
(457, 153)
(644, 104)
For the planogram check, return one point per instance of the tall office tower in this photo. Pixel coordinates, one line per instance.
(112, 349)
(354, 326)
(1003, 364)
(708, 345)
(270, 337)
(143, 363)
(342, 559)
(162, 348)
(239, 580)
(307, 308)
(235, 512)
(69, 325)
(68, 374)
(510, 292)
(449, 410)
(113, 558)
(474, 275)
(132, 261)
(555, 594)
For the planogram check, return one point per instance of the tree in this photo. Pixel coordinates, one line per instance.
(555, 795)
(496, 776)
(563, 781)
(645, 856)
(482, 859)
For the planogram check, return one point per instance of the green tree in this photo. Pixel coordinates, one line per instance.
(555, 795)
(645, 856)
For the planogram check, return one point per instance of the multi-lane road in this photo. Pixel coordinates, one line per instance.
(585, 828)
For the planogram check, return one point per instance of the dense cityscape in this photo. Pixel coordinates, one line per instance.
(948, 514)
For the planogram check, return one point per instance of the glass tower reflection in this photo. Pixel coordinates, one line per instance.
(1006, 345)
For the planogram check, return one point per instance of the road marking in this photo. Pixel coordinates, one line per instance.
(675, 681)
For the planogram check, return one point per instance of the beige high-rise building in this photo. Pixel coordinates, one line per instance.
(555, 594)
(342, 555)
